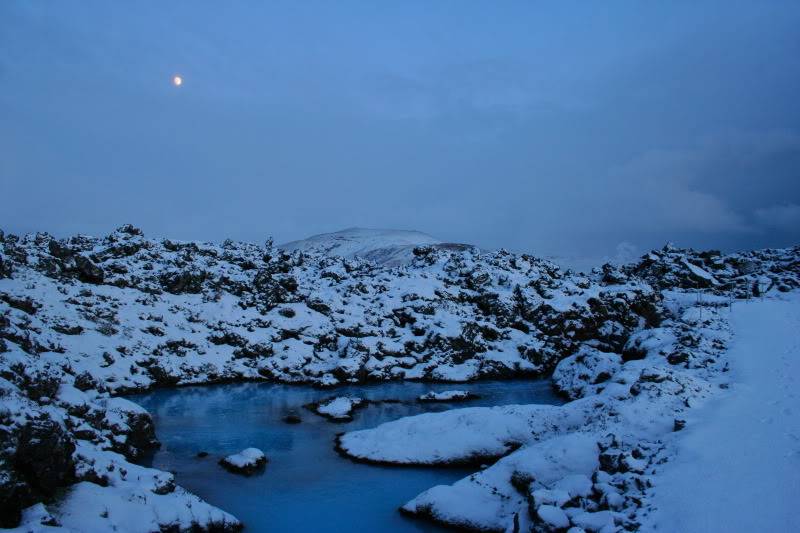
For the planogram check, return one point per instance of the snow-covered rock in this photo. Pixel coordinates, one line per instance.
(585, 372)
(114, 495)
(489, 500)
(246, 462)
(741, 274)
(460, 436)
(339, 408)
(170, 313)
(448, 396)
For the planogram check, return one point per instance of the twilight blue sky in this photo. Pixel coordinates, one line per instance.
(551, 127)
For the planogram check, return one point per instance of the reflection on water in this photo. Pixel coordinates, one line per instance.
(306, 486)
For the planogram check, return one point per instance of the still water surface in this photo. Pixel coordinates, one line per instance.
(306, 486)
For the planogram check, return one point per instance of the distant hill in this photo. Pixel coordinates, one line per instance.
(387, 247)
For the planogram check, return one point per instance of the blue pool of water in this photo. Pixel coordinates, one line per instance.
(306, 486)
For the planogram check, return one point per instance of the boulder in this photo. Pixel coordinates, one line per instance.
(247, 462)
(42, 463)
(585, 372)
(58, 250)
(448, 396)
(337, 409)
(183, 282)
(87, 271)
(292, 418)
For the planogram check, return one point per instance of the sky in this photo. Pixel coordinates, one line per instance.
(581, 129)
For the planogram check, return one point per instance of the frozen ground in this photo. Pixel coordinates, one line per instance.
(738, 463)
(637, 347)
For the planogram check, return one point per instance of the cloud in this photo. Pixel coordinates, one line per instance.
(487, 89)
(659, 192)
(716, 185)
(781, 217)
(537, 129)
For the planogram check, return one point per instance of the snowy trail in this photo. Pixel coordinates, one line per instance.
(738, 464)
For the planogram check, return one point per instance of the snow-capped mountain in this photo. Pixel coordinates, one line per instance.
(387, 247)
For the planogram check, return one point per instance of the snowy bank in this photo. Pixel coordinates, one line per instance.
(736, 468)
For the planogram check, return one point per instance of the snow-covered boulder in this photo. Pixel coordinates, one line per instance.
(468, 504)
(585, 372)
(448, 396)
(246, 462)
(111, 494)
(649, 342)
(339, 408)
(128, 419)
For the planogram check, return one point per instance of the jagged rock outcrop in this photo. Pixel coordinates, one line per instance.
(452, 314)
(740, 275)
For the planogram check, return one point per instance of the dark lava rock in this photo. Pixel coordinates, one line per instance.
(292, 418)
(85, 381)
(25, 305)
(183, 282)
(678, 358)
(633, 353)
(5, 268)
(287, 312)
(59, 250)
(42, 463)
(88, 271)
(142, 435)
(68, 330)
(612, 462)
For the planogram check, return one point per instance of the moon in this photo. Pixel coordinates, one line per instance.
(177, 81)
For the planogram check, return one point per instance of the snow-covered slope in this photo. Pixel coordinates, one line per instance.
(383, 246)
